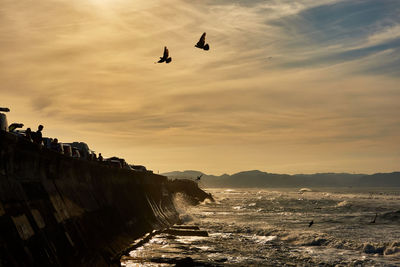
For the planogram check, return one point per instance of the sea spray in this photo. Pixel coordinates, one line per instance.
(275, 231)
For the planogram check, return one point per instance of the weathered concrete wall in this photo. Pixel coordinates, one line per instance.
(59, 211)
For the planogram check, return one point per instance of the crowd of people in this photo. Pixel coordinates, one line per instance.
(74, 150)
(35, 137)
(53, 144)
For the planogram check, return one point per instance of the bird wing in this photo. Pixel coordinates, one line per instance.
(166, 52)
(202, 40)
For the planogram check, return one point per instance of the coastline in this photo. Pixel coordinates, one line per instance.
(60, 211)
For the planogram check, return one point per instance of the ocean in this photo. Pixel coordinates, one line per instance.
(271, 227)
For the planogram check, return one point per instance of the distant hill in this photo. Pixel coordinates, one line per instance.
(381, 179)
(257, 178)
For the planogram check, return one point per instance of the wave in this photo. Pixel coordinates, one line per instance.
(209, 202)
(264, 239)
(387, 249)
(392, 216)
(304, 190)
(392, 249)
(281, 218)
(309, 238)
(343, 204)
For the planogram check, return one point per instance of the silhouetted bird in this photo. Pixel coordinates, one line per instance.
(202, 43)
(311, 223)
(373, 221)
(165, 58)
(199, 177)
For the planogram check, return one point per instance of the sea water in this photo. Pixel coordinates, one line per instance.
(256, 227)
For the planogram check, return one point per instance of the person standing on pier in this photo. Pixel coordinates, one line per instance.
(28, 134)
(37, 137)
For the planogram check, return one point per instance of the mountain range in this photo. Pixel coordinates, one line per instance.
(256, 178)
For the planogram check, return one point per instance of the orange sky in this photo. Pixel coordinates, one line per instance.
(286, 87)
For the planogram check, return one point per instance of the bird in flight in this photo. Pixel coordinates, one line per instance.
(199, 177)
(165, 58)
(311, 223)
(202, 43)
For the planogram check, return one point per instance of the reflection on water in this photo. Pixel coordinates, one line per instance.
(270, 228)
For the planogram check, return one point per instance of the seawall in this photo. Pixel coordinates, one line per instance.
(60, 211)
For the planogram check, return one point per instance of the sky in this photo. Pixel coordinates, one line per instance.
(286, 87)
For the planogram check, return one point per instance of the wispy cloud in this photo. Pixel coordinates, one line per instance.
(281, 76)
(339, 32)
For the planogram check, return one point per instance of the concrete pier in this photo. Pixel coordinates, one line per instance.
(60, 211)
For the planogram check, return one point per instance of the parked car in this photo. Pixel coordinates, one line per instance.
(14, 126)
(47, 142)
(140, 168)
(3, 122)
(61, 147)
(20, 133)
(122, 162)
(115, 163)
(83, 148)
(75, 153)
(67, 150)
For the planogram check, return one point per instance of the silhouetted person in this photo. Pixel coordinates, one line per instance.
(165, 58)
(199, 177)
(100, 157)
(202, 43)
(311, 223)
(28, 134)
(373, 221)
(37, 137)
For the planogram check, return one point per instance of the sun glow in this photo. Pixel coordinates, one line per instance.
(134, 4)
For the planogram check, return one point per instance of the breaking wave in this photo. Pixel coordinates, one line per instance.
(253, 228)
(342, 203)
(392, 216)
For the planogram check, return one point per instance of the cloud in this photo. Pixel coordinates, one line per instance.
(281, 76)
(339, 32)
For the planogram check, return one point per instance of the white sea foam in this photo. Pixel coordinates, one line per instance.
(264, 239)
(342, 203)
(208, 202)
(277, 232)
(304, 190)
(392, 249)
(224, 213)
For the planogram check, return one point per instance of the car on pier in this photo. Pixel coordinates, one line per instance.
(3, 119)
(114, 162)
